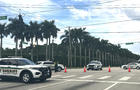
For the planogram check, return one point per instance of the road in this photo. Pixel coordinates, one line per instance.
(77, 79)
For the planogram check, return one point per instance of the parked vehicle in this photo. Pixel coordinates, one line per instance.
(23, 69)
(132, 65)
(94, 65)
(51, 64)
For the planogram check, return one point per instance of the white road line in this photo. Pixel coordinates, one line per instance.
(56, 76)
(111, 86)
(105, 77)
(84, 77)
(37, 88)
(124, 78)
(69, 76)
(137, 83)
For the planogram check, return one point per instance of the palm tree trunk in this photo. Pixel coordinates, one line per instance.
(32, 49)
(46, 49)
(80, 55)
(49, 48)
(1, 47)
(75, 55)
(16, 47)
(68, 56)
(37, 49)
(89, 54)
(52, 49)
(21, 49)
(85, 55)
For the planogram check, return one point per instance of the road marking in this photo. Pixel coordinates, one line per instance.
(111, 86)
(105, 77)
(78, 80)
(56, 76)
(37, 88)
(124, 78)
(84, 77)
(69, 76)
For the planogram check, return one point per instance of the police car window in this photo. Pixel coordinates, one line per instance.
(2, 62)
(13, 62)
(5, 62)
(25, 62)
(48, 63)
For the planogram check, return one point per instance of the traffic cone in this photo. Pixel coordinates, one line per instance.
(84, 69)
(109, 70)
(65, 69)
(129, 70)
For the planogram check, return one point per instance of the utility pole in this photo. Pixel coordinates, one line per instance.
(70, 58)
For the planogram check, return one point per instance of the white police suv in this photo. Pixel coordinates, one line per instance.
(51, 64)
(24, 69)
(94, 65)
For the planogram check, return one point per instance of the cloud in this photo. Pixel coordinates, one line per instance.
(79, 13)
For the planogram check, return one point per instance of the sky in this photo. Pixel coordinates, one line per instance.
(96, 15)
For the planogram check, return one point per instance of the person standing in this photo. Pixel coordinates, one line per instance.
(56, 66)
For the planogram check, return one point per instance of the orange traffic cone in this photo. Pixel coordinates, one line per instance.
(109, 70)
(65, 69)
(129, 70)
(84, 69)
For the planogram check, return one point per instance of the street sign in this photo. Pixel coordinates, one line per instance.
(129, 43)
(3, 17)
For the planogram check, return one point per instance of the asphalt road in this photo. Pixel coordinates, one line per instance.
(77, 79)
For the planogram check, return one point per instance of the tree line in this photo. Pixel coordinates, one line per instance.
(77, 46)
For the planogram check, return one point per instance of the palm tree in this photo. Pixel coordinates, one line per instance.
(2, 34)
(76, 36)
(37, 34)
(80, 33)
(31, 33)
(65, 41)
(48, 29)
(16, 28)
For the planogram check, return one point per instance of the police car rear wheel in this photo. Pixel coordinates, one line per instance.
(26, 77)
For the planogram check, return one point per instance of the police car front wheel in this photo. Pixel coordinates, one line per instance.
(26, 77)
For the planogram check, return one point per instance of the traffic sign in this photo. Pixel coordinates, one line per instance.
(3, 17)
(129, 43)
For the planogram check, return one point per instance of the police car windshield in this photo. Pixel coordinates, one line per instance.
(25, 62)
(95, 62)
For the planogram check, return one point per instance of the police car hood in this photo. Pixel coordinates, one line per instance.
(35, 66)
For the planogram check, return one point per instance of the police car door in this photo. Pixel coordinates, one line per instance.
(4, 67)
(13, 67)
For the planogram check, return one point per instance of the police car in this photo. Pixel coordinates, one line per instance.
(23, 69)
(51, 64)
(94, 65)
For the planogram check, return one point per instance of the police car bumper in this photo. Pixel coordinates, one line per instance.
(42, 72)
(36, 74)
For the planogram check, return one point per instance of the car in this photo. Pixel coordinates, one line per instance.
(24, 69)
(94, 65)
(132, 65)
(51, 64)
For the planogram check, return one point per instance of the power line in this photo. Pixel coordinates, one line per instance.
(107, 22)
(116, 32)
(79, 6)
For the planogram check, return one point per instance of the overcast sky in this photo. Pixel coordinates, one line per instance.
(95, 15)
